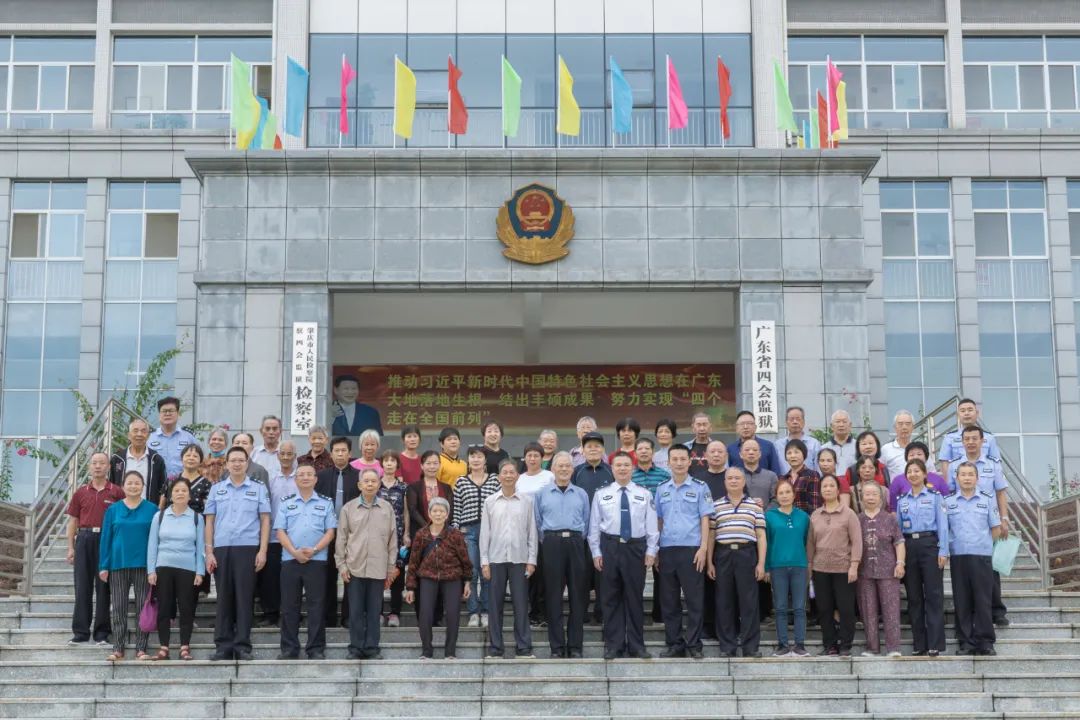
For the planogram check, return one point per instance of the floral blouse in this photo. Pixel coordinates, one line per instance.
(881, 535)
(395, 495)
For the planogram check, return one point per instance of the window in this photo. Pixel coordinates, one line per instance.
(370, 98)
(44, 317)
(182, 82)
(140, 281)
(1022, 82)
(892, 82)
(920, 297)
(1016, 346)
(46, 82)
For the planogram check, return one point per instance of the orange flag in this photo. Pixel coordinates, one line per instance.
(723, 76)
(823, 122)
(457, 117)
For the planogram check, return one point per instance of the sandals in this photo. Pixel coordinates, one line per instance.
(141, 655)
(162, 654)
(185, 653)
(115, 656)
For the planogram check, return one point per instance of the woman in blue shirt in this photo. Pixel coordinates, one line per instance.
(122, 560)
(786, 528)
(176, 563)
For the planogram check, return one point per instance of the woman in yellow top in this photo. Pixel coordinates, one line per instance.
(451, 466)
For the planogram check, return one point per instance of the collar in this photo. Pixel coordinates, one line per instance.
(187, 513)
(105, 486)
(911, 491)
(555, 487)
(839, 509)
(751, 472)
(161, 432)
(834, 441)
(361, 503)
(503, 496)
(961, 496)
(686, 480)
(263, 448)
(451, 459)
(300, 498)
(145, 455)
(717, 472)
(247, 481)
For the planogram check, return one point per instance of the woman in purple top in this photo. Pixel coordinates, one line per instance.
(900, 485)
(882, 566)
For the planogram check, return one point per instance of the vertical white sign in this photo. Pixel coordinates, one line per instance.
(305, 390)
(763, 374)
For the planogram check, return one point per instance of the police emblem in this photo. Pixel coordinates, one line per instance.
(535, 225)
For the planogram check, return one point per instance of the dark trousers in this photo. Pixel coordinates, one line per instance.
(330, 596)
(835, 594)
(428, 592)
(91, 595)
(925, 584)
(175, 599)
(307, 579)
(677, 572)
(564, 567)
(536, 590)
(120, 583)
(235, 578)
(501, 574)
(972, 583)
(365, 615)
(594, 582)
(997, 606)
(736, 599)
(397, 590)
(623, 591)
(656, 613)
(270, 583)
(709, 592)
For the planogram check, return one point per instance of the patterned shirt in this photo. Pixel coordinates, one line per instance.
(395, 495)
(650, 479)
(807, 490)
(320, 462)
(469, 499)
(737, 523)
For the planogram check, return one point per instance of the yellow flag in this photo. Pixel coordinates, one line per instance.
(404, 99)
(569, 120)
(841, 133)
(800, 142)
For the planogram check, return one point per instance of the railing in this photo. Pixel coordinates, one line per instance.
(26, 532)
(1061, 543)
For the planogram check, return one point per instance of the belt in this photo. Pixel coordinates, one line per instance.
(736, 545)
(563, 533)
(918, 535)
(618, 539)
(90, 529)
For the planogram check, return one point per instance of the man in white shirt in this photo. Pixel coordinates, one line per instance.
(842, 443)
(894, 453)
(267, 453)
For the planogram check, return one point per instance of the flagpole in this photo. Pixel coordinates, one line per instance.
(393, 118)
(558, 98)
(502, 92)
(612, 107)
(667, 85)
(723, 142)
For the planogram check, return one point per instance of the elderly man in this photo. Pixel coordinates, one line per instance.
(319, 455)
(592, 475)
(746, 429)
(585, 426)
(842, 443)
(701, 425)
(170, 439)
(282, 485)
(141, 459)
(267, 453)
(795, 420)
(894, 453)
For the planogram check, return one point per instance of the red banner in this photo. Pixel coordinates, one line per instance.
(526, 399)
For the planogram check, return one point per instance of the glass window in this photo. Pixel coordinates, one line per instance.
(324, 84)
(374, 88)
(26, 231)
(161, 235)
(53, 92)
(153, 49)
(977, 87)
(479, 57)
(685, 52)
(533, 57)
(179, 88)
(24, 88)
(80, 87)
(584, 56)
(1022, 82)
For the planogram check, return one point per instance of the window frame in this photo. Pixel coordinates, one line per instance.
(7, 112)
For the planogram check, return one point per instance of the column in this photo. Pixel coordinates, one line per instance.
(967, 304)
(769, 41)
(219, 365)
(187, 264)
(1064, 318)
(93, 289)
(102, 64)
(290, 39)
(954, 65)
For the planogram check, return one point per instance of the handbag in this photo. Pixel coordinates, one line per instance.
(1005, 554)
(148, 616)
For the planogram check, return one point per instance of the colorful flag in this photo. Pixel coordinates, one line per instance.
(823, 121)
(569, 119)
(723, 76)
(457, 116)
(269, 133)
(800, 143)
(404, 99)
(511, 99)
(833, 76)
(296, 90)
(804, 139)
(677, 114)
(622, 99)
(785, 116)
(841, 132)
(244, 108)
(264, 112)
(347, 76)
(813, 137)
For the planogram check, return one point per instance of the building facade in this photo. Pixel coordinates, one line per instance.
(932, 255)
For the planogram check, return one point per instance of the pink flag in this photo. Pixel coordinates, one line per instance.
(677, 112)
(347, 76)
(834, 78)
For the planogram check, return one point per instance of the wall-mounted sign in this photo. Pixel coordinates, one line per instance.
(535, 225)
(763, 374)
(305, 389)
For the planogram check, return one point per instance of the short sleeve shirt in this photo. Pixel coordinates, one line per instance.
(681, 507)
(305, 522)
(238, 510)
(88, 505)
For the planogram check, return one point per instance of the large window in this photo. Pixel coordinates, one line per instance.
(1022, 82)
(1016, 342)
(182, 82)
(370, 98)
(140, 281)
(44, 319)
(46, 82)
(892, 82)
(920, 296)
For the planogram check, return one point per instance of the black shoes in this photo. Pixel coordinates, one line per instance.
(316, 655)
(287, 656)
(221, 657)
(674, 652)
(640, 655)
(696, 653)
(244, 655)
(610, 654)
(1002, 622)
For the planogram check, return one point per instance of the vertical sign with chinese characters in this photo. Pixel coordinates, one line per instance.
(304, 376)
(763, 374)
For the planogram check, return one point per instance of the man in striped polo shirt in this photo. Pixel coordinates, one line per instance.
(737, 562)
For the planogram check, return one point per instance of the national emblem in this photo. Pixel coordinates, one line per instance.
(535, 225)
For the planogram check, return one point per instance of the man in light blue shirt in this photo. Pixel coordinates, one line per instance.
(795, 420)
(683, 508)
(952, 445)
(237, 534)
(169, 440)
(973, 525)
(304, 525)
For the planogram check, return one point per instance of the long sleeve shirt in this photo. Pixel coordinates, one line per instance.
(508, 530)
(176, 541)
(835, 540)
(561, 509)
(366, 541)
(124, 535)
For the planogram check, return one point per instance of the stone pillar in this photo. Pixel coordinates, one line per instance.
(769, 41)
(874, 306)
(290, 39)
(954, 65)
(219, 368)
(102, 65)
(1064, 316)
(967, 304)
(187, 263)
(93, 289)
(5, 235)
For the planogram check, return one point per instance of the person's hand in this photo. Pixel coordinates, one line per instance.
(598, 563)
(260, 560)
(898, 572)
(345, 576)
(300, 557)
(485, 570)
(711, 572)
(409, 596)
(852, 575)
(768, 578)
(308, 553)
(211, 562)
(529, 569)
(390, 578)
(1004, 529)
(650, 560)
(70, 555)
(104, 575)
(759, 572)
(699, 560)
(198, 580)
(466, 592)
(152, 578)
(942, 559)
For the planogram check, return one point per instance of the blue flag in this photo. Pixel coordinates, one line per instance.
(264, 110)
(622, 100)
(296, 91)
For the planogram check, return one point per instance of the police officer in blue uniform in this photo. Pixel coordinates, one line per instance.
(921, 512)
(304, 526)
(237, 533)
(974, 523)
(684, 506)
(623, 540)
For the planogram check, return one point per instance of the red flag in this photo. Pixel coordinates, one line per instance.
(833, 77)
(678, 115)
(277, 142)
(347, 76)
(823, 122)
(458, 115)
(723, 75)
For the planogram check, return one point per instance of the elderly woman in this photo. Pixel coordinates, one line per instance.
(867, 445)
(125, 532)
(368, 442)
(218, 442)
(880, 571)
(439, 567)
(833, 554)
(318, 457)
(175, 564)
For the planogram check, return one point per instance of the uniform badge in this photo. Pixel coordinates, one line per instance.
(535, 225)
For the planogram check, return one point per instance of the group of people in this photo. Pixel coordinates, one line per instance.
(733, 532)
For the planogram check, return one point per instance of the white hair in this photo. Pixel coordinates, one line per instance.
(900, 413)
(586, 418)
(369, 435)
(838, 413)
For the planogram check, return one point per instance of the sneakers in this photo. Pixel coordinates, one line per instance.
(75, 642)
(103, 643)
(483, 619)
(393, 621)
(474, 620)
(894, 653)
(781, 651)
(868, 653)
(799, 651)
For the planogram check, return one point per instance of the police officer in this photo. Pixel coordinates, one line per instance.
(237, 533)
(304, 526)
(562, 520)
(921, 512)
(623, 539)
(684, 506)
(974, 523)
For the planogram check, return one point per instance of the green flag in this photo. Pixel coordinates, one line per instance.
(269, 134)
(785, 117)
(511, 99)
(244, 108)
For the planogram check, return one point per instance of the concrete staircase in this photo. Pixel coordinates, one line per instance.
(1035, 675)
